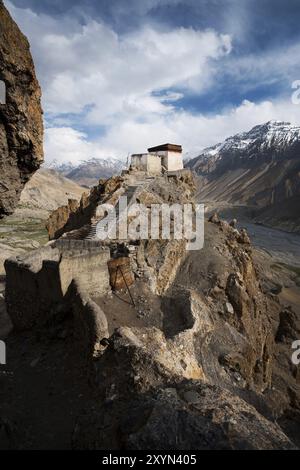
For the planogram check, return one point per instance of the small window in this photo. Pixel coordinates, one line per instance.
(2, 92)
(2, 353)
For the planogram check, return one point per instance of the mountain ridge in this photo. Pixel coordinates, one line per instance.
(88, 172)
(258, 169)
(272, 136)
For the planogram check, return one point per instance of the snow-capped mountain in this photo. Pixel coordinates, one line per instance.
(63, 168)
(259, 168)
(273, 141)
(88, 172)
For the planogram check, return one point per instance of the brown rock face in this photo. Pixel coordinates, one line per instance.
(59, 218)
(21, 125)
(75, 216)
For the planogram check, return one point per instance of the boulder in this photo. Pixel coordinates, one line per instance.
(190, 415)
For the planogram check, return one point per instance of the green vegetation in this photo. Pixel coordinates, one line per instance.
(15, 232)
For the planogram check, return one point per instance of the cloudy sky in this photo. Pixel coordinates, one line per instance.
(119, 76)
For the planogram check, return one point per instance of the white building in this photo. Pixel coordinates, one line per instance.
(166, 157)
(171, 156)
(147, 162)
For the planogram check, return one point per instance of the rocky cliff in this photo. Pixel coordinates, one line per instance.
(21, 125)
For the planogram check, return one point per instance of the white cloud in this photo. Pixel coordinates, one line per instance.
(194, 132)
(90, 64)
(114, 79)
(65, 144)
(264, 68)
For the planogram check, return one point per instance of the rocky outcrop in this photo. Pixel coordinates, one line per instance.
(78, 215)
(197, 416)
(288, 330)
(60, 217)
(159, 262)
(225, 275)
(147, 405)
(21, 126)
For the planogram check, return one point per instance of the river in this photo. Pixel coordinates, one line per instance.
(282, 246)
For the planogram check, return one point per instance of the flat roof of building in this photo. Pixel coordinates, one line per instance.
(143, 155)
(170, 147)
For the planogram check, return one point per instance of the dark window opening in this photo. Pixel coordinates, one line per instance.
(2, 92)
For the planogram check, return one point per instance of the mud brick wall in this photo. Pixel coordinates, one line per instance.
(38, 284)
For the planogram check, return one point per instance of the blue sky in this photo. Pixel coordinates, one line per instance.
(118, 76)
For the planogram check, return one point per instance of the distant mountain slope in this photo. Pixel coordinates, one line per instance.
(25, 230)
(48, 190)
(259, 168)
(88, 172)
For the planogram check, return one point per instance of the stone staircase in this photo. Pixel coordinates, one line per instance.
(79, 234)
(134, 187)
(93, 230)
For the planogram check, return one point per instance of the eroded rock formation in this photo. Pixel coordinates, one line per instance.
(78, 216)
(21, 125)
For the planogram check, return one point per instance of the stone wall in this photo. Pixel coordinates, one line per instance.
(172, 161)
(153, 165)
(147, 162)
(90, 322)
(89, 267)
(37, 285)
